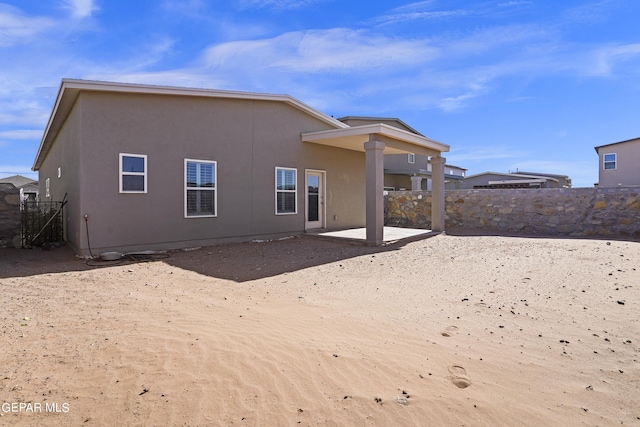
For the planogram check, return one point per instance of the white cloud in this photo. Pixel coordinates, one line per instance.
(15, 169)
(454, 103)
(487, 40)
(80, 8)
(606, 58)
(315, 51)
(591, 11)
(15, 27)
(21, 134)
(278, 4)
(415, 6)
(421, 16)
(149, 54)
(183, 77)
(26, 116)
(462, 155)
(418, 11)
(515, 3)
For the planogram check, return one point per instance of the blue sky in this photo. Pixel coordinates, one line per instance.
(509, 85)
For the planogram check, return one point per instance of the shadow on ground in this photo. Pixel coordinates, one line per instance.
(250, 261)
(239, 262)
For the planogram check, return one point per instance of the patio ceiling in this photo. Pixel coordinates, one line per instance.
(397, 141)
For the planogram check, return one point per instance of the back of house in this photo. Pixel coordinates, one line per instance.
(146, 168)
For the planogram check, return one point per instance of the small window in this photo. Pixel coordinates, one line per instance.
(286, 191)
(411, 158)
(133, 173)
(610, 161)
(200, 188)
(47, 185)
(59, 172)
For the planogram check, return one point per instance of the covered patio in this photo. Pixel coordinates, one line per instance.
(376, 140)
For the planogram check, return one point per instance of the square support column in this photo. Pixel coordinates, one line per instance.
(416, 183)
(437, 193)
(374, 159)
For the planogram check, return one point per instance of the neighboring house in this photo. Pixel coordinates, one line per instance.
(512, 180)
(413, 172)
(154, 167)
(28, 187)
(619, 163)
(406, 171)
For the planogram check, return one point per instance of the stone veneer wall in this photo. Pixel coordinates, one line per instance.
(9, 216)
(580, 212)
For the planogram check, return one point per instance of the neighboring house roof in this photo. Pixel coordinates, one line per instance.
(71, 88)
(616, 143)
(550, 175)
(447, 165)
(19, 181)
(517, 175)
(387, 120)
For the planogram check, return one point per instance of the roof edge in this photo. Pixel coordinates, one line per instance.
(78, 85)
(614, 143)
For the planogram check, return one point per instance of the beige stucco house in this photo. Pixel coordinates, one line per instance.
(154, 167)
(619, 163)
(414, 172)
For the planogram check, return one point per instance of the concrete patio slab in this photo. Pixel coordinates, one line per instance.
(390, 234)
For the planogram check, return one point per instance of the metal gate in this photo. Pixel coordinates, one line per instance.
(42, 223)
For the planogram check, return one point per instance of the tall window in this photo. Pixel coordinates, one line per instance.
(411, 158)
(133, 173)
(286, 191)
(200, 188)
(610, 161)
(47, 185)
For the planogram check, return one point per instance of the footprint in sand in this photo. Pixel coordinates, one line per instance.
(459, 376)
(449, 331)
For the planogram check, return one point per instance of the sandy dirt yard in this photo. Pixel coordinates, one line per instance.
(448, 331)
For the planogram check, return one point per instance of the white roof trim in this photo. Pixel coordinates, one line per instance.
(360, 134)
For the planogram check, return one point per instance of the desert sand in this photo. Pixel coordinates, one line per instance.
(451, 330)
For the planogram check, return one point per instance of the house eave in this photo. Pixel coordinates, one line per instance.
(397, 140)
(615, 143)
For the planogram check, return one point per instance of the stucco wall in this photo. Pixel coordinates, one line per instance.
(580, 212)
(247, 138)
(9, 216)
(66, 154)
(627, 171)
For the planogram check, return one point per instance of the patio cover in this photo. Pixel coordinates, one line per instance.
(379, 139)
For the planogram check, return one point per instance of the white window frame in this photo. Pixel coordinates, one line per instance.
(614, 161)
(121, 174)
(47, 185)
(214, 188)
(294, 191)
(59, 172)
(411, 158)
